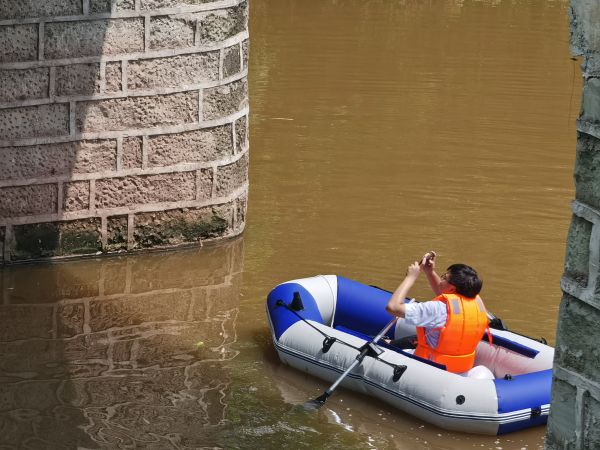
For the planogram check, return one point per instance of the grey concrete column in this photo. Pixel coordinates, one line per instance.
(575, 411)
(123, 124)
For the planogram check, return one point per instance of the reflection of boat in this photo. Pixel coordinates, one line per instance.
(319, 325)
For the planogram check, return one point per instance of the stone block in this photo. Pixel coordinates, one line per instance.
(113, 77)
(241, 205)
(76, 196)
(104, 6)
(41, 240)
(93, 38)
(78, 79)
(578, 250)
(21, 9)
(180, 226)
(173, 71)
(562, 420)
(591, 426)
(172, 31)
(587, 177)
(25, 84)
(245, 53)
(18, 43)
(590, 101)
(25, 322)
(224, 100)
(241, 134)
(232, 176)
(132, 153)
(116, 234)
(57, 159)
(137, 112)
(576, 347)
(232, 63)
(158, 4)
(205, 183)
(28, 200)
(69, 320)
(130, 310)
(218, 25)
(2, 239)
(145, 189)
(209, 144)
(34, 121)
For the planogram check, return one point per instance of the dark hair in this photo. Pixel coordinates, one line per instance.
(465, 279)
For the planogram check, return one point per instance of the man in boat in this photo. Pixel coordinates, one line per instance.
(450, 326)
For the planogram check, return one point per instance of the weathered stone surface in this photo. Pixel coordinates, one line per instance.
(2, 238)
(70, 319)
(587, 176)
(137, 310)
(129, 191)
(113, 77)
(562, 420)
(179, 226)
(158, 4)
(42, 240)
(241, 205)
(137, 112)
(104, 6)
(591, 426)
(25, 322)
(132, 153)
(221, 24)
(210, 144)
(578, 250)
(28, 200)
(232, 176)
(76, 196)
(241, 133)
(221, 101)
(584, 19)
(23, 84)
(93, 38)
(245, 53)
(172, 31)
(173, 71)
(20, 9)
(116, 234)
(205, 181)
(18, 43)
(590, 101)
(78, 79)
(34, 121)
(576, 347)
(232, 63)
(57, 159)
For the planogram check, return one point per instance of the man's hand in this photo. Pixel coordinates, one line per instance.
(427, 263)
(413, 271)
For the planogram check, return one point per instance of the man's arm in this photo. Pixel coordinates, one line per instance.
(396, 304)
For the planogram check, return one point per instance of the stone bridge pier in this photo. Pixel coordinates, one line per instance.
(123, 125)
(574, 421)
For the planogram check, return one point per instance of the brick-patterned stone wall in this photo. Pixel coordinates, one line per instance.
(119, 352)
(123, 124)
(574, 421)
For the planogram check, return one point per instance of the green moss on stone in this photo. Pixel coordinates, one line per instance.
(80, 242)
(39, 240)
(180, 230)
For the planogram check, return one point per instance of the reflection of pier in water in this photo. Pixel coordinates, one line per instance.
(120, 353)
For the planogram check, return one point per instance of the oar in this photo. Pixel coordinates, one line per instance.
(370, 348)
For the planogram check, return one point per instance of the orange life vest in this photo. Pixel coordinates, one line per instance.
(465, 326)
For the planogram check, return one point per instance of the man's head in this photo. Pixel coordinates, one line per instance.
(461, 279)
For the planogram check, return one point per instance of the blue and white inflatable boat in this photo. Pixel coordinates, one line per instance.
(320, 323)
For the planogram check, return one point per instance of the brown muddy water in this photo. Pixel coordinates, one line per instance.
(380, 129)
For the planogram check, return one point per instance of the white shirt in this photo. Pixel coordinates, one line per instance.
(430, 315)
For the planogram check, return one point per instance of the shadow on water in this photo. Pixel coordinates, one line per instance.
(127, 352)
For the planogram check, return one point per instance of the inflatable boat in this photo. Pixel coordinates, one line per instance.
(321, 324)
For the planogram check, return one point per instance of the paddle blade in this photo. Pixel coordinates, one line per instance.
(315, 404)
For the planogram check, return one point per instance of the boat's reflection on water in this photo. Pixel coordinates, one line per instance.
(127, 352)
